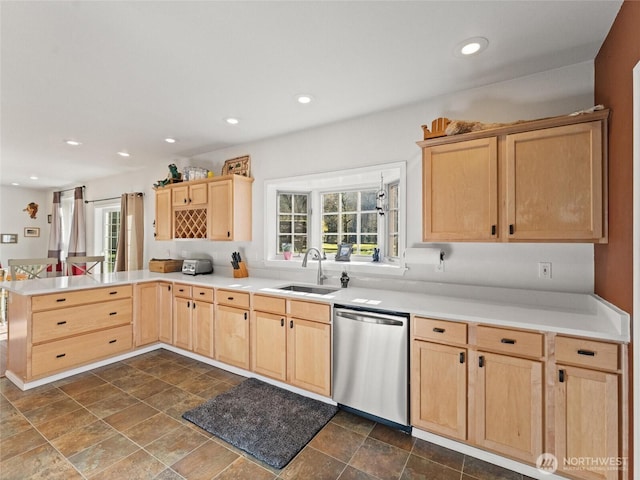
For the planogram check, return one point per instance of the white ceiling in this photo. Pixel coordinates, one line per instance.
(124, 75)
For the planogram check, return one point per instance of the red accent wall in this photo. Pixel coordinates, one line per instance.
(614, 64)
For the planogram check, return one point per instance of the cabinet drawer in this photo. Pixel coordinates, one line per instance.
(234, 299)
(79, 297)
(70, 352)
(203, 293)
(319, 312)
(64, 322)
(517, 342)
(587, 353)
(182, 290)
(440, 330)
(266, 303)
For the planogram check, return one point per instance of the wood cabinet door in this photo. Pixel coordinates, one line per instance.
(198, 194)
(232, 336)
(586, 413)
(220, 221)
(180, 196)
(460, 191)
(203, 328)
(439, 389)
(555, 183)
(309, 355)
(165, 312)
(182, 328)
(509, 399)
(163, 214)
(146, 320)
(269, 345)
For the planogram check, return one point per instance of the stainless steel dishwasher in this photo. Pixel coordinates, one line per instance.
(371, 362)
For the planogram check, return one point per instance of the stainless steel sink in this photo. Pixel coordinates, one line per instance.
(309, 289)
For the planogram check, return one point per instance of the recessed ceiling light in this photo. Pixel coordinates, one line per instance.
(124, 154)
(170, 140)
(33, 177)
(304, 98)
(73, 143)
(15, 184)
(232, 120)
(471, 46)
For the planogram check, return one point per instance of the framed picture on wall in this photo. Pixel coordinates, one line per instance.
(32, 231)
(8, 238)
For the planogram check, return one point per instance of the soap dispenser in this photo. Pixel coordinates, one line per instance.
(344, 279)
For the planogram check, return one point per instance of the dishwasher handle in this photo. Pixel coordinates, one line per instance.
(370, 317)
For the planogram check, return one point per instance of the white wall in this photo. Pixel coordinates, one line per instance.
(384, 137)
(14, 220)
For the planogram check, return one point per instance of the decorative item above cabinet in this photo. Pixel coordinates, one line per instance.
(217, 208)
(538, 181)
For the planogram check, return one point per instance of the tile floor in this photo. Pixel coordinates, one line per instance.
(123, 421)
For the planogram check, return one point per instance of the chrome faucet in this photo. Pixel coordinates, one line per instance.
(319, 256)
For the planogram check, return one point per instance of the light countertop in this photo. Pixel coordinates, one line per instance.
(585, 315)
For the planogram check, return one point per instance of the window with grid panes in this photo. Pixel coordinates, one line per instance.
(293, 221)
(350, 217)
(392, 219)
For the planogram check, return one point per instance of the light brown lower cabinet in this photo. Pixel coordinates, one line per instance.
(193, 319)
(152, 303)
(290, 348)
(509, 405)
(439, 389)
(499, 392)
(232, 336)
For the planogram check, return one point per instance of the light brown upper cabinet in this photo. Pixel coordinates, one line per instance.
(216, 208)
(460, 190)
(230, 208)
(536, 181)
(163, 215)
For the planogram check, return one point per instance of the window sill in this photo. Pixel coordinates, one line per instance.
(377, 268)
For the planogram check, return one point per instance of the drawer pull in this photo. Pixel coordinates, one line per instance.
(493, 229)
(115, 292)
(202, 293)
(282, 322)
(508, 341)
(188, 304)
(64, 322)
(113, 341)
(60, 355)
(438, 330)
(194, 305)
(511, 229)
(61, 299)
(229, 298)
(481, 361)
(290, 323)
(245, 315)
(461, 357)
(561, 375)
(113, 313)
(181, 290)
(588, 353)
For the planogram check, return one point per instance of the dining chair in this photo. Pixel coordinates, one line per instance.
(29, 268)
(84, 265)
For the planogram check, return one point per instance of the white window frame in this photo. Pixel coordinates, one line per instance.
(343, 180)
(99, 226)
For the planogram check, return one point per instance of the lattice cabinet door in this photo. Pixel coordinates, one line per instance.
(190, 223)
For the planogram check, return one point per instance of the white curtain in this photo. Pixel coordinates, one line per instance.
(129, 254)
(78, 236)
(55, 234)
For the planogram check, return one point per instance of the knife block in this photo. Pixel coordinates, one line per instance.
(241, 272)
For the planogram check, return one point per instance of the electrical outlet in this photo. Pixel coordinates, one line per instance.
(544, 270)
